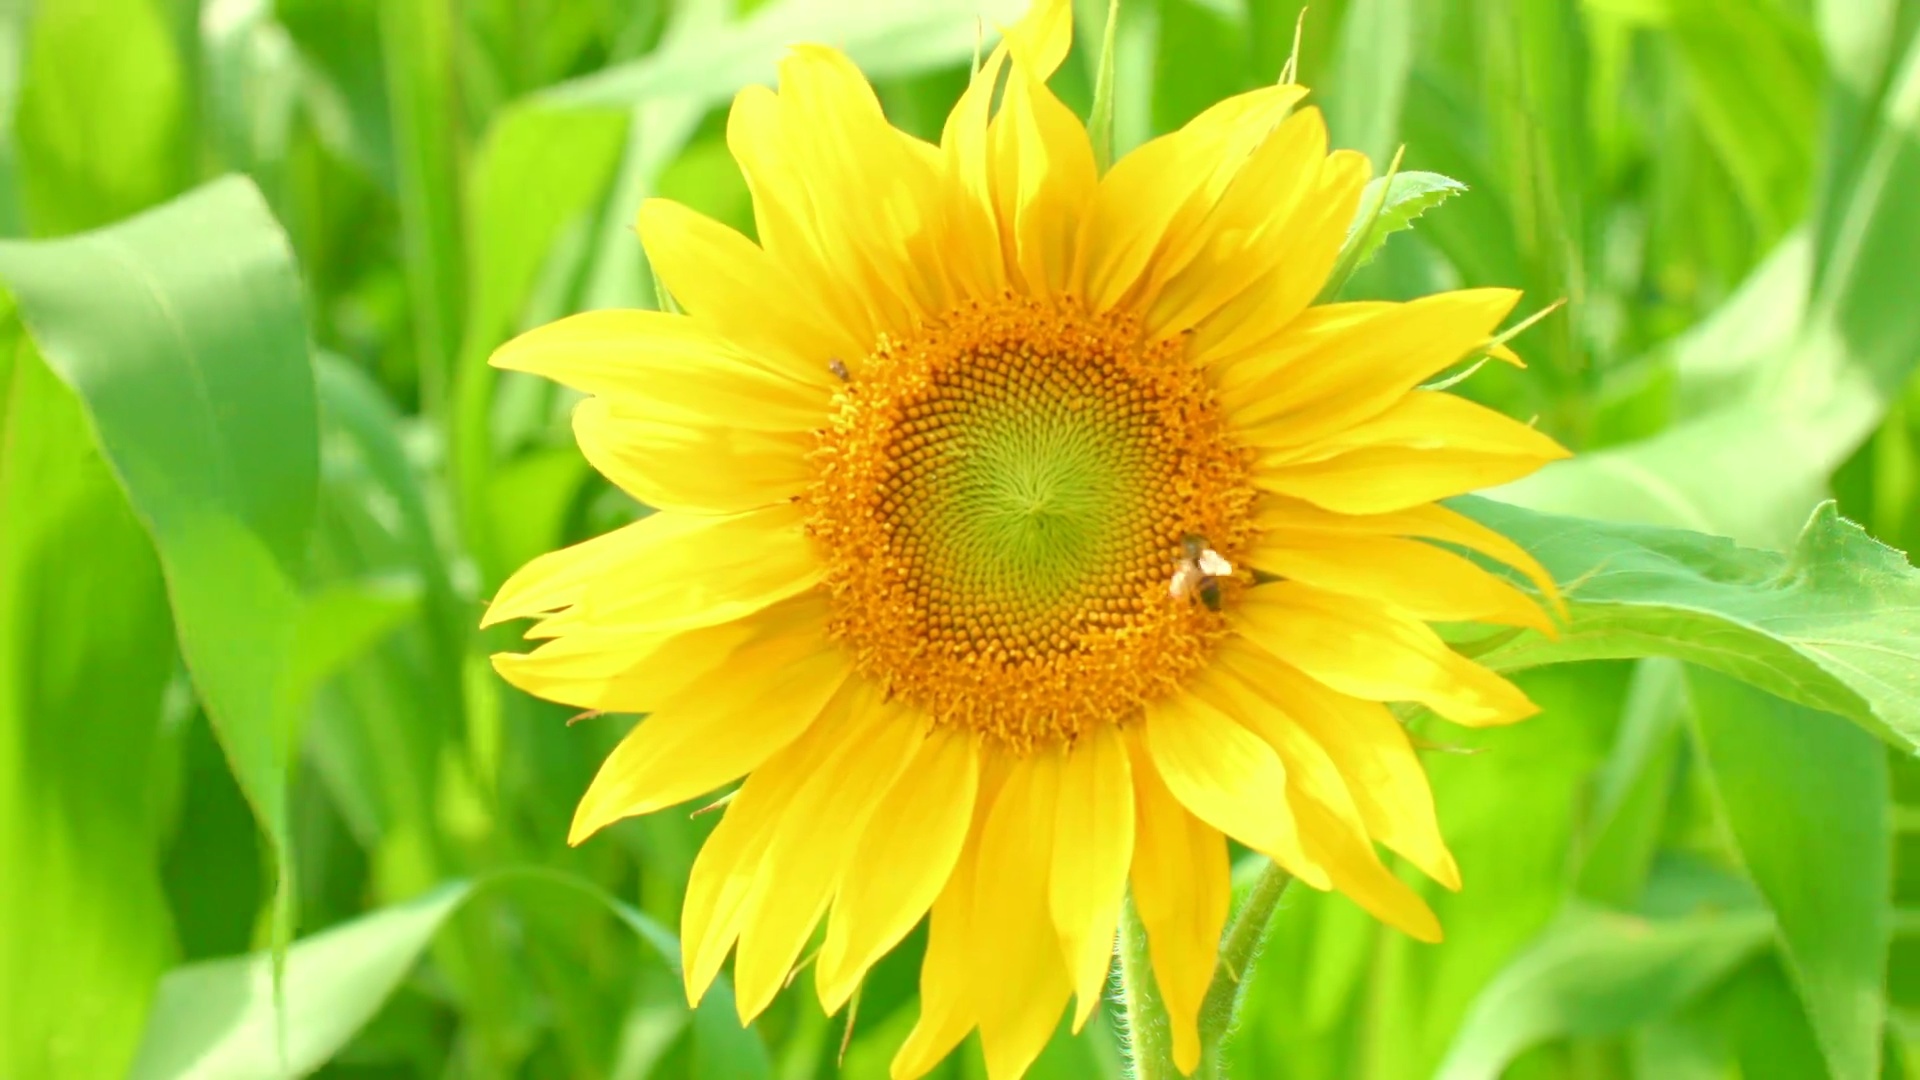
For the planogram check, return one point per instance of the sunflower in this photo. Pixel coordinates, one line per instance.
(1021, 534)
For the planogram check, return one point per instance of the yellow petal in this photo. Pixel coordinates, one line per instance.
(618, 670)
(667, 572)
(1271, 240)
(1181, 888)
(1042, 36)
(876, 192)
(1275, 283)
(816, 840)
(1339, 364)
(1411, 575)
(1092, 846)
(1021, 984)
(1429, 521)
(559, 579)
(722, 882)
(1367, 745)
(1165, 187)
(714, 732)
(980, 239)
(726, 281)
(945, 980)
(1228, 777)
(670, 366)
(1331, 828)
(708, 467)
(1428, 446)
(1374, 653)
(975, 256)
(904, 857)
(784, 210)
(1043, 175)
(726, 887)
(955, 947)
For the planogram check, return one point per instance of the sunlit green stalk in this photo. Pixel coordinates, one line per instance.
(1149, 1034)
(417, 41)
(1100, 119)
(1237, 949)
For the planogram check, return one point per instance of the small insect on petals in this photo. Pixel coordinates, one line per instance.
(1199, 572)
(1213, 564)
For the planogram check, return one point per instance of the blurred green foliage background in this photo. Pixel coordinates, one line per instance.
(243, 698)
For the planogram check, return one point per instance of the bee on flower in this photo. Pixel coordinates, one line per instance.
(929, 623)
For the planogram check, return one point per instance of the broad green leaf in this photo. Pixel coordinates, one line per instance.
(1598, 973)
(1752, 70)
(339, 623)
(1634, 788)
(382, 727)
(1679, 1048)
(102, 115)
(1763, 1022)
(345, 85)
(520, 204)
(1831, 625)
(1507, 808)
(1750, 468)
(216, 1020)
(1805, 797)
(899, 39)
(182, 333)
(85, 655)
(1373, 61)
(253, 77)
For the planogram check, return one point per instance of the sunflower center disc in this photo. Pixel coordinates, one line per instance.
(1002, 501)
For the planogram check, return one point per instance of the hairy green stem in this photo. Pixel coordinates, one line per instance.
(1149, 1041)
(1237, 950)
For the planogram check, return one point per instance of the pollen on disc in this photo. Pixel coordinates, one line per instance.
(1002, 501)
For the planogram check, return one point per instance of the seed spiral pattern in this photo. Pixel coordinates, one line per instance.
(1001, 502)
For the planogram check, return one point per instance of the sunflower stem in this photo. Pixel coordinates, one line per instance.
(1149, 1041)
(1237, 950)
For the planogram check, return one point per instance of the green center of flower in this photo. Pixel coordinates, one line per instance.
(1003, 503)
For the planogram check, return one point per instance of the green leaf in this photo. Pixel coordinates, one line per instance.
(103, 113)
(898, 39)
(1389, 205)
(1507, 809)
(520, 205)
(1634, 788)
(215, 1020)
(1597, 973)
(1373, 61)
(181, 332)
(1813, 389)
(86, 653)
(1408, 195)
(339, 623)
(1805, 797)
(1832, 625)
(417, 43)
(1752, 73)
